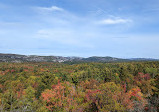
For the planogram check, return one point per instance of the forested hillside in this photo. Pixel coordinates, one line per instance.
(83, 87)
(16, 58)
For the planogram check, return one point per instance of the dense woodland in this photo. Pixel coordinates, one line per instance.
(82, 87)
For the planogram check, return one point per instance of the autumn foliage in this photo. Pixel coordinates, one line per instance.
(84, 87)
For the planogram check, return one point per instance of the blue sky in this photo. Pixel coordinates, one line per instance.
(118, 28)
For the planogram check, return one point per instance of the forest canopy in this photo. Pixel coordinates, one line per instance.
(82, 87)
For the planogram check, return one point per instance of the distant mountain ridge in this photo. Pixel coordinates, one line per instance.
(35, 58)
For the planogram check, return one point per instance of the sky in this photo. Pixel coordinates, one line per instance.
(117, 28)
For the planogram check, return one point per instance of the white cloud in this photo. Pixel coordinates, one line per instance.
(53, 8)
(69, 29)
(151, 10)
(49, 9)
(64, 36)
(115, 21)
(55, 14)
(9, 23)
(59, 35)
